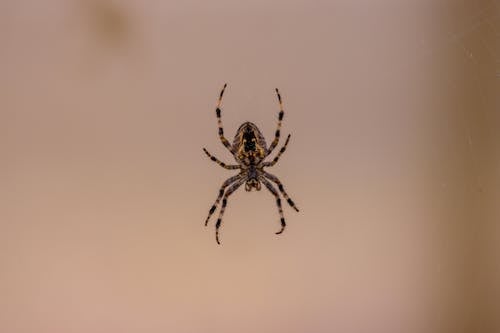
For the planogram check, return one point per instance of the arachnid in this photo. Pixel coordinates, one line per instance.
(250, 151)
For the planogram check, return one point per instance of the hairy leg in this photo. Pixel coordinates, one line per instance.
(278, 128)
(275, 159)
(271, 189)
(281, 188)
(222, 164)
(219, 121)
(229, 191)
(228, 182)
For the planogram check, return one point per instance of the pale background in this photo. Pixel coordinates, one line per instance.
(393, 108)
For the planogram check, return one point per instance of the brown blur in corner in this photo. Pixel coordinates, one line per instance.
(393, 108)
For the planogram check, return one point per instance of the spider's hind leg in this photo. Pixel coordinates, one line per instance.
(282, 150)
(271, 189)
(219, 121)
(278, 128)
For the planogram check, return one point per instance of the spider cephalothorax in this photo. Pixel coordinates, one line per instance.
(249, 150)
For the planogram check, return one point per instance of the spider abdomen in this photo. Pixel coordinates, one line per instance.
(249, 144)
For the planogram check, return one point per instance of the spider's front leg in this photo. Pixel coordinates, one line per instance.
(229, 191)
(228, 182)
(281, 188)
(219, 121)
(271, 189)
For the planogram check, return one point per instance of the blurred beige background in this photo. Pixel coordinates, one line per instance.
(393, 109)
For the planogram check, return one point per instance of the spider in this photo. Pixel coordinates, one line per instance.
(250, 151)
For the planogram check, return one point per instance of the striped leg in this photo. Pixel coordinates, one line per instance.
(281, 188)
(271, 188)
(222, 164)
(219, 121)
(229, 191)
(228, 182)
(282, 150)
(280, 118)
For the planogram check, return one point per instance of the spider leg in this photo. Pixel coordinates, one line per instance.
(281, 188)
(229, 191)
(271, 189)
(280, 118)
(228, 182)
(282, 150)
(222, 164)
(219, 121)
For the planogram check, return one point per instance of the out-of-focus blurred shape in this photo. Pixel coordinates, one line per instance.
(108, 21)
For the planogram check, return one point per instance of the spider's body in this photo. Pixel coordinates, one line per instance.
(249, 150)
(249, 145)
